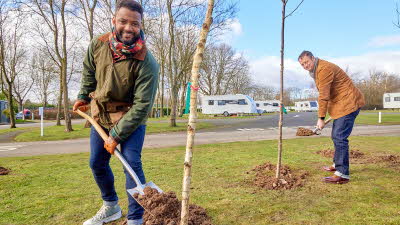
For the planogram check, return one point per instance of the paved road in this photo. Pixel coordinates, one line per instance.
(179, 139)
(229, 130)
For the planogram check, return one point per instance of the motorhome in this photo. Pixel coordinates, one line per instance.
(306, 106)
(268, 105)
(228, 104)
(391, 100)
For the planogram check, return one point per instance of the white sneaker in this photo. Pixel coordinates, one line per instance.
(104, 215)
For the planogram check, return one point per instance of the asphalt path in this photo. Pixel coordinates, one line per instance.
(229, 130)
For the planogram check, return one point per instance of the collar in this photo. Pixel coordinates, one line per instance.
(312, 73)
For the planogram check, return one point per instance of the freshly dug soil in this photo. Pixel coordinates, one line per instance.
(165, 209)
(265, 177)
(392, 160)
(354, 154)
(304, 132)
(4, 171)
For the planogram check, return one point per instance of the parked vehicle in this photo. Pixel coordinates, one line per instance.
(268, 105)
(20, 115)
(306, 106)
(228, 104)
(391, 100)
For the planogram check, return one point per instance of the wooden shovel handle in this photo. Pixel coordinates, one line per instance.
(94, 123)
(117, 153)
(328, 120)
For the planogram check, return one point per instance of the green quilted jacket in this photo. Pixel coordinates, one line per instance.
(133, 80)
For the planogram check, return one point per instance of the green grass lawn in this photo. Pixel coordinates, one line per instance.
(382, 110)
(372, 119)
(4, 131)
(25, 121)
(54, 133)
(59, 189)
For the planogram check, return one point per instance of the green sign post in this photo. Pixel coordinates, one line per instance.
(187, 105)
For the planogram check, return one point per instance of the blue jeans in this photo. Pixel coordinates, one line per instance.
(341, 130)
(100, 164)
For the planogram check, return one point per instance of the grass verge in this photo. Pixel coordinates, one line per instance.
(9, 130)
(59, 189)
(55, 133)
(372, 119)
(204, 116)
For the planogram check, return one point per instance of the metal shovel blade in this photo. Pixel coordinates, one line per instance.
(140, 191)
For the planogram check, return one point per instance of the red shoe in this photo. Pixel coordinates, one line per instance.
(336, 180)
(329, 168)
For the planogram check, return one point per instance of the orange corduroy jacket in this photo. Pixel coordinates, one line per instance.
(337, 94)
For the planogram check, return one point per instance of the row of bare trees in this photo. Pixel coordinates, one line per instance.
(46, 53)
(375, 85)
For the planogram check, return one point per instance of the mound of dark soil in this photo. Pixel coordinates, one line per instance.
(165, 209)
(354, 154)
(304, 132)
(265, 177)
(4, 171)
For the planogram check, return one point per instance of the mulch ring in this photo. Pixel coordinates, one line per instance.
(265, 177)
(4, 171)
(304, 132)
(354, 154)
(165, 209)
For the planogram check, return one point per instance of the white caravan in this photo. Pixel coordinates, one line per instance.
(268, 105)
(306, 106)
(228, 104)
(391, 100)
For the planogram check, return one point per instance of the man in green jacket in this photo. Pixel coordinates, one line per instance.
(119, 80)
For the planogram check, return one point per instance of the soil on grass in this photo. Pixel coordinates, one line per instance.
(165, 209)
(304, 132)
(360, 158)
(265, 177)
(4, 171)
(391, 160)
(354, 154)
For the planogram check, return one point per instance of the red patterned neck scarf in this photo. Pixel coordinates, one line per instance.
(120, 51)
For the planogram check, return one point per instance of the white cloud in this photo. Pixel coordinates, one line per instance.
(386, 61)
(383, 41)
(266, 70)
(235, 30)
(236, 27)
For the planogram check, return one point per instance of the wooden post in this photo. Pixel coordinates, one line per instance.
(198, 58)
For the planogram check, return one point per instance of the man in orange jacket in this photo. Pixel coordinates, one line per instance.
(342, 100)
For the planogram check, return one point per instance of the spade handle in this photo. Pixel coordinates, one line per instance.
(117, 153)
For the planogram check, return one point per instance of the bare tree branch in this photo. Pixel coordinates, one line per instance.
(294, 9)
(397, 24)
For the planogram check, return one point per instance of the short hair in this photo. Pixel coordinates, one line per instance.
(131, 5)
(305, 53)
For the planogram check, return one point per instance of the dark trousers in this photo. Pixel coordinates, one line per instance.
(341, 130)
(100, 164)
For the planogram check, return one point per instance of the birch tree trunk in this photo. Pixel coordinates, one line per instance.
(198, 58)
